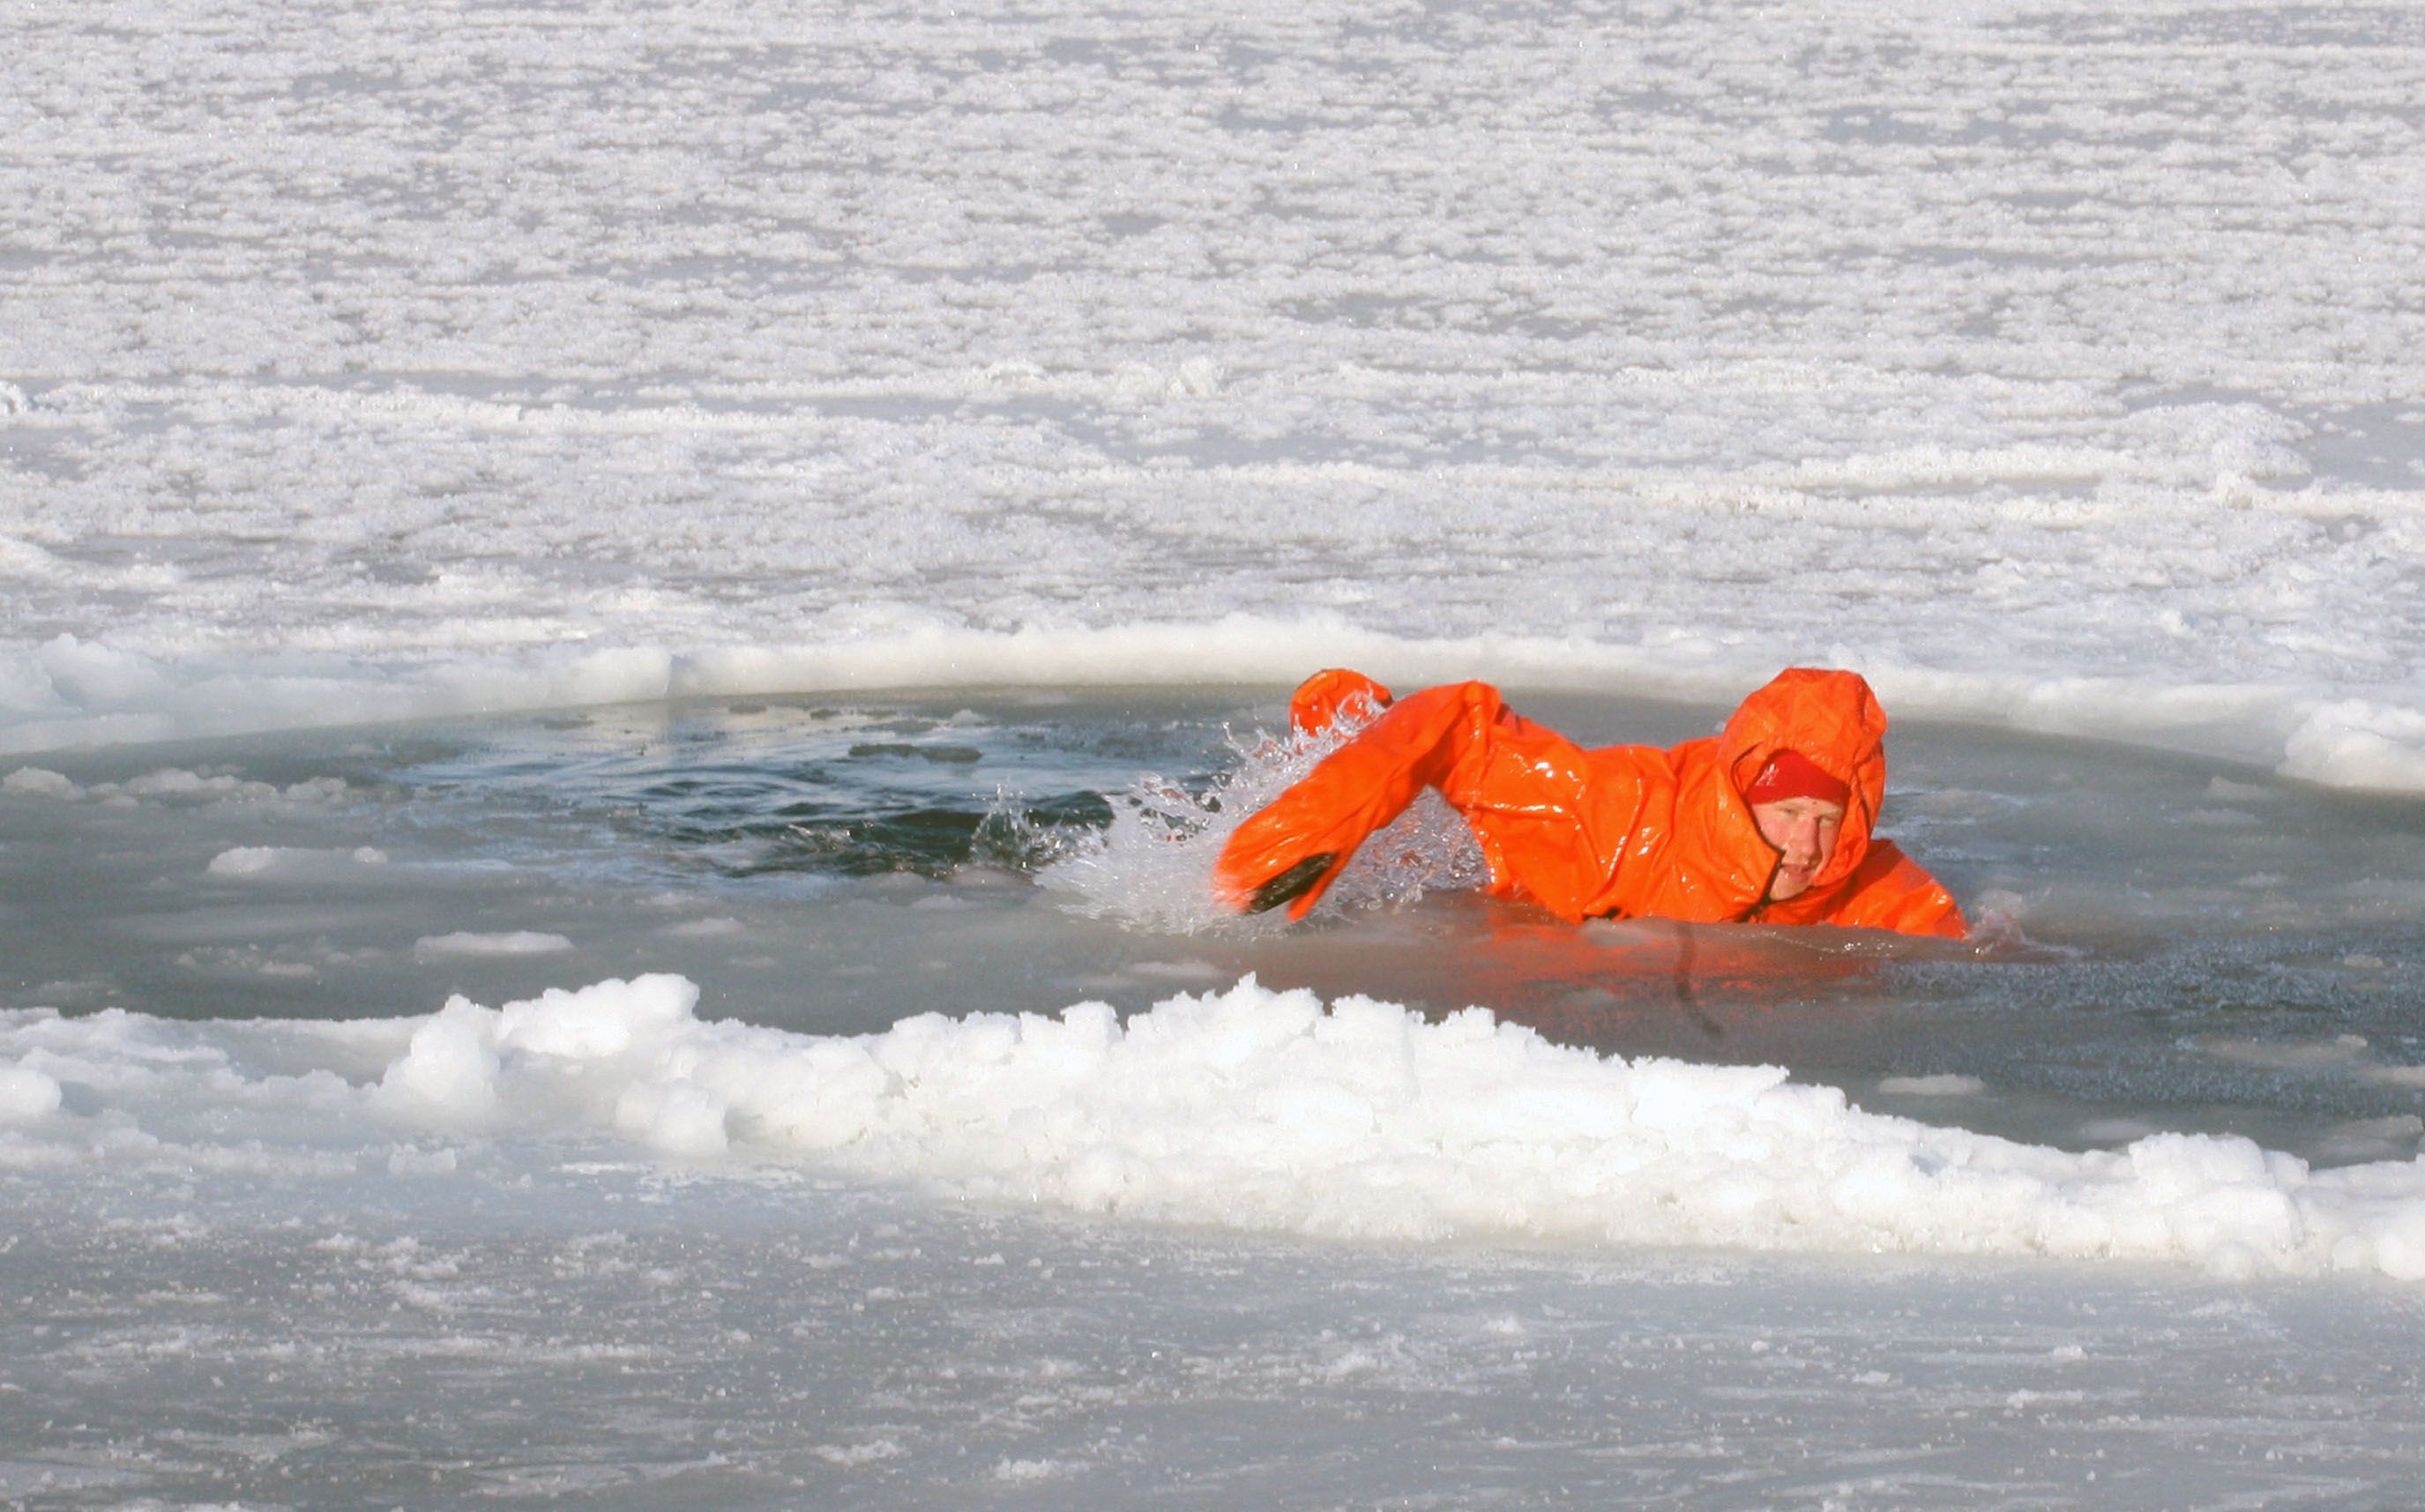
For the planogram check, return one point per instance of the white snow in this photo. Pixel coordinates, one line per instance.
(1247, 1109)
(1948, 1084)
(2355, 744)
(504, 943)
(2056, 367)
(41, 781)
(170, 785)
(242, 861)
(297, 861)
(26, 1094)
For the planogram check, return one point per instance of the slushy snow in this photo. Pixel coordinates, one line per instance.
(1246, 1109)
(2057, 367)
(504, 942)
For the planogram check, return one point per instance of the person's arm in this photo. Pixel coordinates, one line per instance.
(1296, 847)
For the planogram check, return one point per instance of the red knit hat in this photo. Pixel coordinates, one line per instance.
(1792, 775)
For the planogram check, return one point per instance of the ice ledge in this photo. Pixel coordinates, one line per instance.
(69, 692)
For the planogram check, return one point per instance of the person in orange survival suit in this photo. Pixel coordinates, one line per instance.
(1770, 822)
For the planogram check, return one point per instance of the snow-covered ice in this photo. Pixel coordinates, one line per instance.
(2056, 366)
(389, 1116)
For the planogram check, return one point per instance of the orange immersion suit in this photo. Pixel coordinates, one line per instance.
(1622, 831)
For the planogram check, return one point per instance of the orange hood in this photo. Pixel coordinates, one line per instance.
(1831, 718)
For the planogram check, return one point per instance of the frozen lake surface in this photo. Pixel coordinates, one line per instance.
(2056, 368)
(613, 1334)
(551, 1273)
(686, 523)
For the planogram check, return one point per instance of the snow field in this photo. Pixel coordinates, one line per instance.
(2054, 366)
(643, 1334)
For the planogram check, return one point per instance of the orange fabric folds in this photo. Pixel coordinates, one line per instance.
(1320, 700)
(1621, 831)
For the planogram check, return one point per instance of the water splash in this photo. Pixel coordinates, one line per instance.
(1151, 866)
(1016, 835)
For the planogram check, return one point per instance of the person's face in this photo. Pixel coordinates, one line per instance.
(1803, 832)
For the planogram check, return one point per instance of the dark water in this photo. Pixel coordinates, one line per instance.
(2175, 944)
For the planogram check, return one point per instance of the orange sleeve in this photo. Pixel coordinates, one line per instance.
(1890, 890)
(1435, 738)
(1551, 818)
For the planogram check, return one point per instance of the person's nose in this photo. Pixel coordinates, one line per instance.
(1801, 841)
